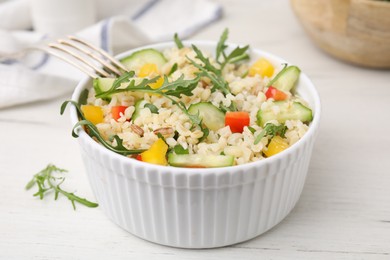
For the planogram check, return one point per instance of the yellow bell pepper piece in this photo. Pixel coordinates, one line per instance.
(150, 70)
(262, 67)
(156, 154)
(147, 70)
(93, 113)
(157, 84)
(276, 145)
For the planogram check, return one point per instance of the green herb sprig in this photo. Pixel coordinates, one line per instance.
(177, 41)
(168, 89)
(152, 108)
(207, 69)
(94, 132)
(271, 130)
(237, 55)
(173, 69)
(210, 71)
(49, 180)
(213, 72)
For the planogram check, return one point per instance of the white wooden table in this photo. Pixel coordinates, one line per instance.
(343, 213)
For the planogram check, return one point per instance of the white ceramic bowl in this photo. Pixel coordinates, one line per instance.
(199, 208)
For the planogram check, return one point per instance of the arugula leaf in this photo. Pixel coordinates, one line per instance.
(213, 72)
(83, 97)
(271, 130)
(122, 79)
(94, 132)
(245, 74)
(221, 46)
(168, 89)
(178, 42)
(178, 87)
(77, 106)
(206, 61)
(133, 84)
(238, 54)
(152, 108)
(173, 69)
(195, 119)
(251, 129)
(47, 181)
(210, 71)
(225, 109)
(218, 83)
(174, 88)
(178, 149)
(159, 135)
(206, 132)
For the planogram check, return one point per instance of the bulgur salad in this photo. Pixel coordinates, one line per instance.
(185, 107)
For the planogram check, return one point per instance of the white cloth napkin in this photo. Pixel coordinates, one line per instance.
(39, 76)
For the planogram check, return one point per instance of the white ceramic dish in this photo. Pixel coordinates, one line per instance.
(199, 208)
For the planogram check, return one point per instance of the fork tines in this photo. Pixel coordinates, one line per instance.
(88, 58)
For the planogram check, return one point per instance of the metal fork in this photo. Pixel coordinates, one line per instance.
(81, 54)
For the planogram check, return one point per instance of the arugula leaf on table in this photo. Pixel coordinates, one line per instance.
(47, 181)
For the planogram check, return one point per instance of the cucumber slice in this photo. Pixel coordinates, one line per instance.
(102, 84)
(138, 106)
(211, 116)
(197, 160)
(137, 59)
(285, 80)
(287, 111)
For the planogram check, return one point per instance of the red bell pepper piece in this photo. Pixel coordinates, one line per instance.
(237, 121)
(116, 111)
(275, 93)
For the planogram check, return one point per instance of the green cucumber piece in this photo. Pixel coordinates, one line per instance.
(197, 160)
(102, 84)
(139, 58)
(286, 79)
(140, 104)
(212, 117)
(287, 111)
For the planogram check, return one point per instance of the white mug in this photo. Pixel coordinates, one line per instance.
(60, 17)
